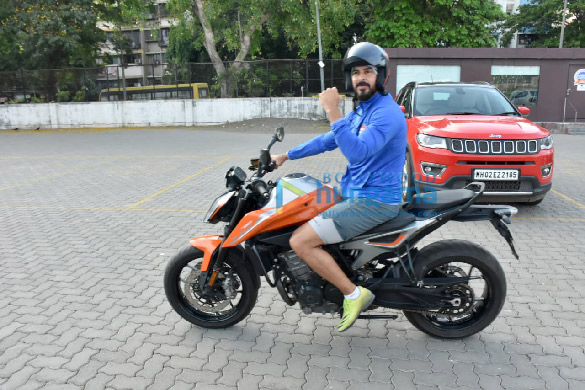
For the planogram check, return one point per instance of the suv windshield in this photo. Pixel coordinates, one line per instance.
(460, 100)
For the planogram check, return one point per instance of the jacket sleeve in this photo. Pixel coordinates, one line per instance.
(321, 143)
(382, 127)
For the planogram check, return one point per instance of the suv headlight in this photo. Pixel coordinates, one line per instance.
(546, 143)
(430, 141)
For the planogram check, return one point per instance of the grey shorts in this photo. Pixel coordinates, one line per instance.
(352, 217)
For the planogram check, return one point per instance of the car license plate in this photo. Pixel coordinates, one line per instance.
(496, 174)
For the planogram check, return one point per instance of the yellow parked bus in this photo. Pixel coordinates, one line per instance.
(157, 92)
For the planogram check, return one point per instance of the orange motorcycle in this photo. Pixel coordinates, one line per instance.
(447, 289)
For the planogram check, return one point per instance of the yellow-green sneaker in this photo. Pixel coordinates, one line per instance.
(353, 307)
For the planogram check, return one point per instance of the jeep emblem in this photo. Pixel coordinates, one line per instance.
(495, 136)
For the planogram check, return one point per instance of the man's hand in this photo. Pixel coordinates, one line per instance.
(280, 159)
(330, 100)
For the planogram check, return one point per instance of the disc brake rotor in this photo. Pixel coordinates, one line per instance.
(193, 296)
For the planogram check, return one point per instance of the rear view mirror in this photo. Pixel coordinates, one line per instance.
(279, 132)
(403, 109)
(524, 110)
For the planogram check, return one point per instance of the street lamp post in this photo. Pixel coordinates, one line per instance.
(321, 64)
(563, 25)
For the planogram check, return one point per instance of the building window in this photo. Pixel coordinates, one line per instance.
(426, 73)
(164, 37)
(518, 83)
(148, 37)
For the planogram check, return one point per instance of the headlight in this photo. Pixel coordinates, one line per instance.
(546, 143)
(429, 141)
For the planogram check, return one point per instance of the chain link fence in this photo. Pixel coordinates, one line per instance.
(264, 78)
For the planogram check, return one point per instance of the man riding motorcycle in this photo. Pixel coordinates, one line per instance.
(373, 139)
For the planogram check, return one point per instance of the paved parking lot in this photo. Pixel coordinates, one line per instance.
(88, 220)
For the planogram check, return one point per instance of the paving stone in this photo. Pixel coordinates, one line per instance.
(522, 383)
(114, 369)
(344, 374)
(86, 372)
(165, 378)
(232, 373)
(380, 370)
(199, 376)
(551, 376)
(297, 366)
(98, 382)
(217, 360)
(53, 375)
(436, 378)
(275, 370)
(155, 364)
(122, 382)
(403, 380)
(245, 357)
(315, 378)
(411, 365)
(19, 379)
(249, 381)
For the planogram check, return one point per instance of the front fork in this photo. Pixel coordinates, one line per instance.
(213, 246)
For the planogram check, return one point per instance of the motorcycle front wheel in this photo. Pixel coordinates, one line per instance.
(229, 301)
(478, 301)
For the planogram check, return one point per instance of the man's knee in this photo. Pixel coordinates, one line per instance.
(303, 239)
(296, 241)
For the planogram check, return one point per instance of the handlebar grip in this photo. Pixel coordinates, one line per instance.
(260, 188)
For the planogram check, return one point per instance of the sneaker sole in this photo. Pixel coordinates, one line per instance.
(358, 316)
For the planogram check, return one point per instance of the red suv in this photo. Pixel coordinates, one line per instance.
(464, 132)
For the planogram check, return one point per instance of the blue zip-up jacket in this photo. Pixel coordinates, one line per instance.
(373, 139)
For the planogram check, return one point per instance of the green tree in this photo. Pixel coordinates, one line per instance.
(433, 23)
(48, 34)
(543, 18)
(231, 30)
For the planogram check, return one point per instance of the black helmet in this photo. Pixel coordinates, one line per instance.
(365, 53)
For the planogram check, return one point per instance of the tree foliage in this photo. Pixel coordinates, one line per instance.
(232, 30)
(543, 18)
(48, 34)
(433, 23)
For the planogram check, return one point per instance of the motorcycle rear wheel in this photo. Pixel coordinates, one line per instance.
(182, 290)
(486, 292)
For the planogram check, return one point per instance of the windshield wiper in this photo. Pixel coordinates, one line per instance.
(462, 113)
(505, 113)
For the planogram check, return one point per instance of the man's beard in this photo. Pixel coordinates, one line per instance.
(363, 95)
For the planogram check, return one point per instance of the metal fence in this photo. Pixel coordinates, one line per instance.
(253, 79)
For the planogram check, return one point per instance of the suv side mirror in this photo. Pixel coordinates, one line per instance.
(524, 111)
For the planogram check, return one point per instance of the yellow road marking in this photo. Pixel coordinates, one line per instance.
(177, 184)
(101, 209)
(56, 174)
(569, 199)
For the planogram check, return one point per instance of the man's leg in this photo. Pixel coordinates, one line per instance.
(306, 242)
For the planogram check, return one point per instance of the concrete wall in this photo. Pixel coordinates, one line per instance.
(158, 112)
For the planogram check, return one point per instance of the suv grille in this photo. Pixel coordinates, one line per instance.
(482, 146)
(500, 186)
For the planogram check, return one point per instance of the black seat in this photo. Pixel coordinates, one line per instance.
(403, 219)
(440, 199)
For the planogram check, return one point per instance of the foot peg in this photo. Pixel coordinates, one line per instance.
(378, 317)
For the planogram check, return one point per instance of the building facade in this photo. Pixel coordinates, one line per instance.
(551, 82)
(149, 41)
